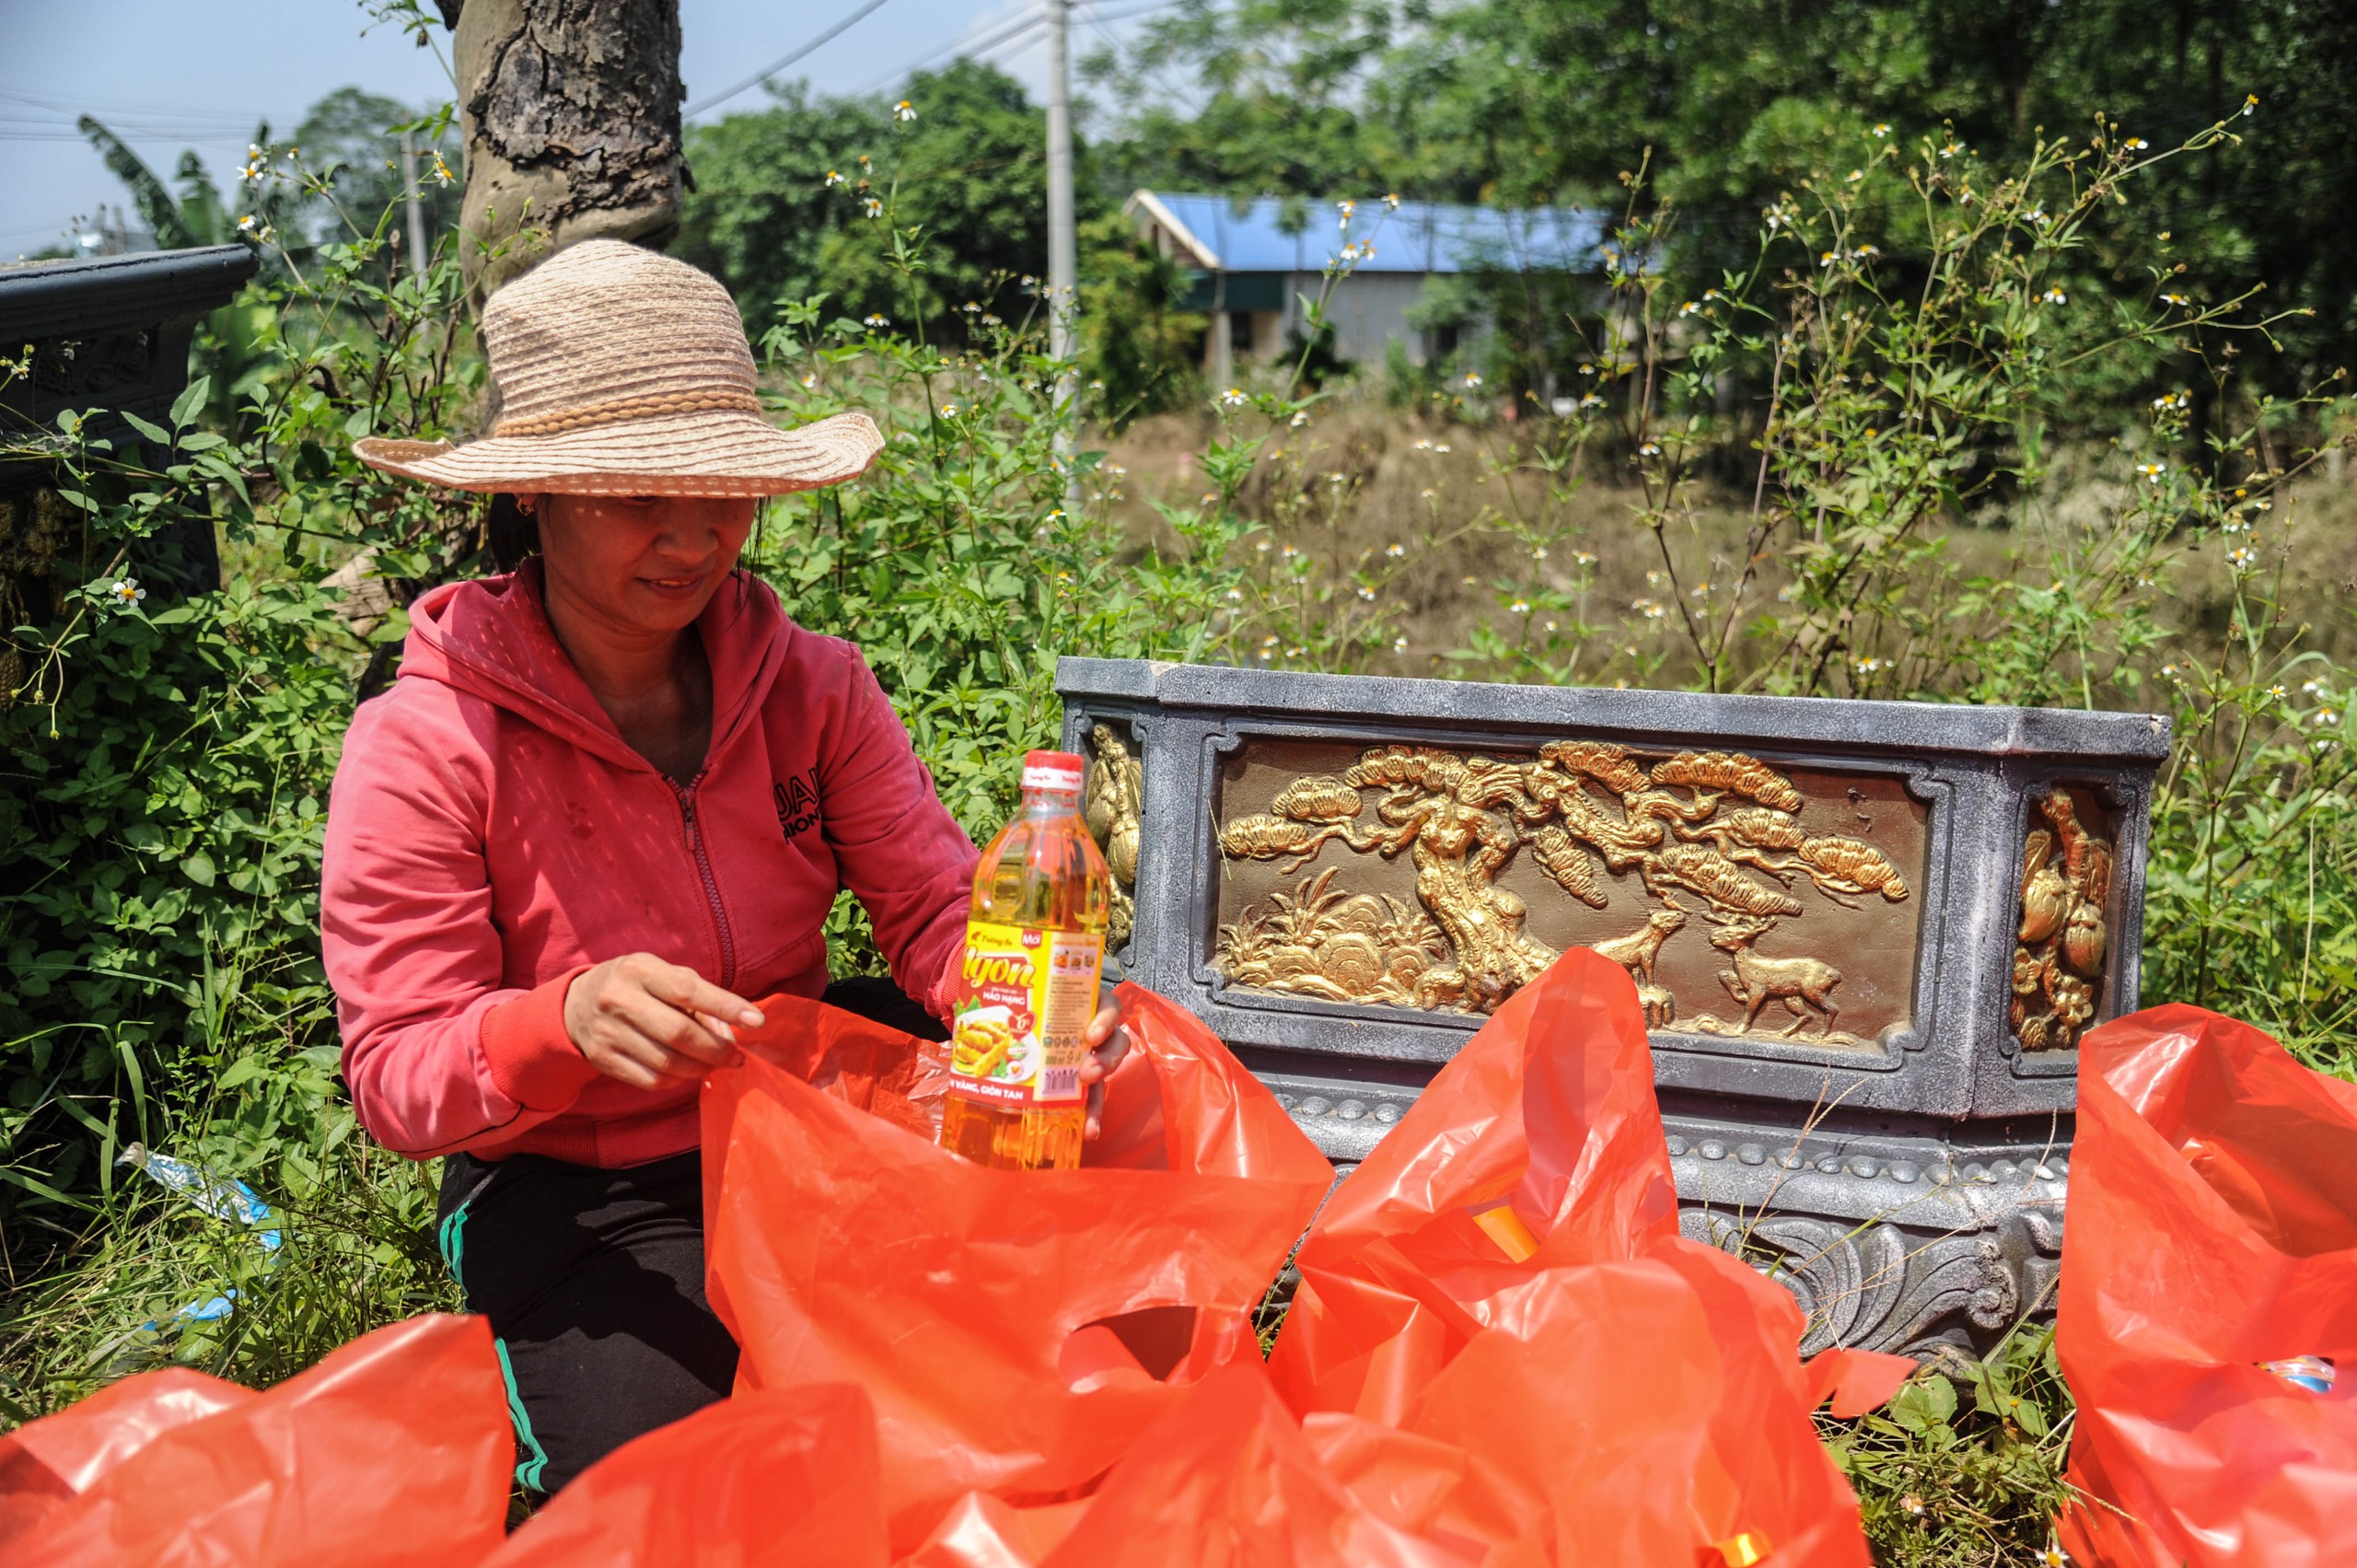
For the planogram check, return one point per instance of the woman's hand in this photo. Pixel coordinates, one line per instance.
(1108, 1043)
(640, 1021)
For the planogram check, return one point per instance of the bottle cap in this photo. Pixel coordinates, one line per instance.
(1059, 770)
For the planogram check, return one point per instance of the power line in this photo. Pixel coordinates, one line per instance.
(999, 41)
(764, 75)
(177, 112)
(1012, 47)
(989, 37)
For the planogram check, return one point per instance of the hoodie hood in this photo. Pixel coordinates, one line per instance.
(491, 638)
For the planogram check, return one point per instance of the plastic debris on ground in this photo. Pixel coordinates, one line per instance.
(2208, 1300)
(223, 1197)
(394, 1452)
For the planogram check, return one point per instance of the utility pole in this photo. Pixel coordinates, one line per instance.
(1064, 266)
(417, 257)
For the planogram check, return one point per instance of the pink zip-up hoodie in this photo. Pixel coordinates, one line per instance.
(490, 835)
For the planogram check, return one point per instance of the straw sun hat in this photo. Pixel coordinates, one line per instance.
(617, 371)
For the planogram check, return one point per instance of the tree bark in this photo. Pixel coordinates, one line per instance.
(571, 111)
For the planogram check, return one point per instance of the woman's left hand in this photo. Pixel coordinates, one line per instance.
(1108, 1043)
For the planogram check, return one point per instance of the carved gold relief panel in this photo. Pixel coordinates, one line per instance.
(2061, 951)
(1745, 900)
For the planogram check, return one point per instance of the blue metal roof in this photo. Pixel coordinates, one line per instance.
(1417, 236)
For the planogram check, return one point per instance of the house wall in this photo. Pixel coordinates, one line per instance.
(1367, 310)
(1238, 338)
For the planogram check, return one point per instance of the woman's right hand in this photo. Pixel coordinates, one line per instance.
(641, 1021)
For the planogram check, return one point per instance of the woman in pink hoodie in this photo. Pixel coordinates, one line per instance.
(611, 795)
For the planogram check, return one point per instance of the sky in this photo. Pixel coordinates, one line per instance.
(169, 74)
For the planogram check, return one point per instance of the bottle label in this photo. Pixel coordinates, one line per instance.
(1026, 996)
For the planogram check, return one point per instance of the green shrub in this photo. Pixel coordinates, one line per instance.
(160, 845)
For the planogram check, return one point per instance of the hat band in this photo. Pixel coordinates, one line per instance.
(620, 409)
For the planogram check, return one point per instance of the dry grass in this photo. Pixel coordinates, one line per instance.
(1449, 493)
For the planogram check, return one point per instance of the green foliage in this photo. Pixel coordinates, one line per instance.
(1964, 1468)
(194, 216)
(973, 554)
(355, 1223)
(1521, 103)
(351, 141)
(286, 205)
(1138, 349)
(170, 758)
(782, 205)
(788, 202)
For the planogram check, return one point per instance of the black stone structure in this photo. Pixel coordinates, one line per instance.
(1907, 1187)
(109, 335)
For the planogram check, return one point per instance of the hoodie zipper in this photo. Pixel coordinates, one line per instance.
(687, 793)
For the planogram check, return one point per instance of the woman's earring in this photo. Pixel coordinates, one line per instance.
(527, 505)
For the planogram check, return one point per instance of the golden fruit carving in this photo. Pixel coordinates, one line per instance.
(2064, 937)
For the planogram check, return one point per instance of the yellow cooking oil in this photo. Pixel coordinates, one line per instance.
(1035, 945)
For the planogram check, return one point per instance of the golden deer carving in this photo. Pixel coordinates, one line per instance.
(1637, 951)
(1803, 985)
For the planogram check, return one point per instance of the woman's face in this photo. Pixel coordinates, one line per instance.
(641, 563)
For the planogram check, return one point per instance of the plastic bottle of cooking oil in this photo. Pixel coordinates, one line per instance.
(1035, 942)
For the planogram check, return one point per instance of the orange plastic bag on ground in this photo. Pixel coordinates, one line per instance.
(1226, 1480)
(52, 1462)
(2213, 1232)
(786, 1477)
(1503, 1276)
(1642, 1413)
(395, 1450)
(979, 1531)
(972, 1305)
(1542, 1128)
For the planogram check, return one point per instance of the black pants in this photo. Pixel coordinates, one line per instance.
(592, 1281)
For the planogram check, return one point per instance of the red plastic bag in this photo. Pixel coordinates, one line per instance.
(53, 1460)
(1544, 1126)
(395, 1450)
(883, 1072)
(762, 1478)
(1503, 1276)
(973, 1304)
(1229, 1479)
(2212, 1230)
(979, 1531)
(1638, 1412)
(1226, 1480)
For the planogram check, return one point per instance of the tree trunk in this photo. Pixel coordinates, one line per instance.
(571, 111)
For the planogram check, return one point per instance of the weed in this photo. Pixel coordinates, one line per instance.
(1964, 1468)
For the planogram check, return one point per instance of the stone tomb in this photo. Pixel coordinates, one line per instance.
(1867, 935)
